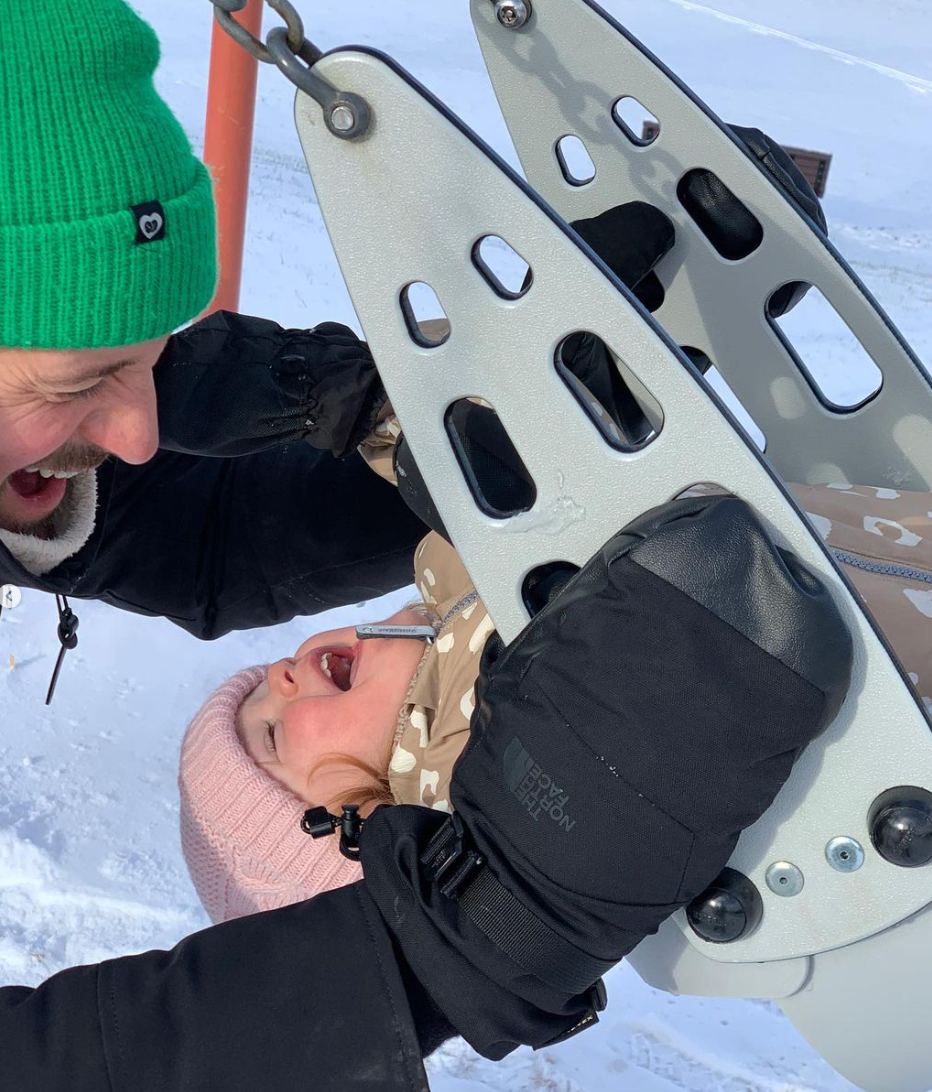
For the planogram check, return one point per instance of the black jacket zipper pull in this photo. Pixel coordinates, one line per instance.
(67, 636)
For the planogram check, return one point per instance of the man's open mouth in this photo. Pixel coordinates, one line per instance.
(33, 482)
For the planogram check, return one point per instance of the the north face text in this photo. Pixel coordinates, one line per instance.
(533, 788)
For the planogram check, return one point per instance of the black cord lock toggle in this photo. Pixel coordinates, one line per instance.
(319, 823)
(67, 637)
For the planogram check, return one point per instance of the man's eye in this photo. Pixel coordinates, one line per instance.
(76, 396)
(270, 737)
(79, 396)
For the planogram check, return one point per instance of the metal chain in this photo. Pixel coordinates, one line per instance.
(347, 115)
(225, 10)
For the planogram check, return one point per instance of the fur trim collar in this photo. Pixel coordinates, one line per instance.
(74, 525)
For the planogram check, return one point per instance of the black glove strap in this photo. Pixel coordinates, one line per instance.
(462, 874)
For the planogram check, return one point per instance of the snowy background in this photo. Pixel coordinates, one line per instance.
(90, 865)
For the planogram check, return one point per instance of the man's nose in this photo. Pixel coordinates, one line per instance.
(127, 425)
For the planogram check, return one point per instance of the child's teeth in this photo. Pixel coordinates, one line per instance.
(325, 664)
(47, 473)
(32, 470)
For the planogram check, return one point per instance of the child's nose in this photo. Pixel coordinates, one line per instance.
(282, 680)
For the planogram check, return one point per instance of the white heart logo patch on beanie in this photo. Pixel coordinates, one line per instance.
(150, 222)
(151, 225)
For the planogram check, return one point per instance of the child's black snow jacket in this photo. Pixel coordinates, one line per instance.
(307, 997)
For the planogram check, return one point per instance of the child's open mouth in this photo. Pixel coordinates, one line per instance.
(337, 665)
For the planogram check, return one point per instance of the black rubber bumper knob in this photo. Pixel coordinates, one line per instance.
(901, 826)
(731, 908)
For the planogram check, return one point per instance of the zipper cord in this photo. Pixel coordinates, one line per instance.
(462, 604)
(68, 639)
(883, 568)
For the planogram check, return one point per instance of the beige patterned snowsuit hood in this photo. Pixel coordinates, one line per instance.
(882, 538)
(433, 724)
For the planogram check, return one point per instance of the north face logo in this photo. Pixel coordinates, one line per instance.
(150, 222)
(533, 788)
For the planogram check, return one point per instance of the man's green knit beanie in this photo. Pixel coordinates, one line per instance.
(107, 223)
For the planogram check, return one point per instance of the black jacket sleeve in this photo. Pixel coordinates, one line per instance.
(216, 545)
(308, 996)
(245, 518)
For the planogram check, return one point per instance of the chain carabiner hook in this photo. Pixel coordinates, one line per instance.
(346, 115)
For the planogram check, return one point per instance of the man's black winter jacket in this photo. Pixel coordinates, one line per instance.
(239, 522)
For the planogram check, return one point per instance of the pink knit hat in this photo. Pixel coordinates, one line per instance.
(240, 828)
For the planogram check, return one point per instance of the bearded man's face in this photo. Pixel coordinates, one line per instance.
(63, 413)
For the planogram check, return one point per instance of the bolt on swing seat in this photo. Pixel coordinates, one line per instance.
(820, 916)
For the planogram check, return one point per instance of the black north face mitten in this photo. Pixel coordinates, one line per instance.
(648, 714)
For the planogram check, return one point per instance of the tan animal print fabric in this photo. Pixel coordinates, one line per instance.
(434, 724)
(883, 539)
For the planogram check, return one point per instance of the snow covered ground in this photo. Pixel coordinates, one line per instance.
(90, 864)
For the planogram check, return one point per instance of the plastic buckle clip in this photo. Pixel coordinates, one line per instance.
(457, 862)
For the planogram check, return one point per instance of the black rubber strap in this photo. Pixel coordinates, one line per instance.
(506, 921)
(523, 937)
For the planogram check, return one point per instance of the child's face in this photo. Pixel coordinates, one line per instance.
(299, 715)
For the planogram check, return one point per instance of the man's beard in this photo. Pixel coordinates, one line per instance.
(69, 458)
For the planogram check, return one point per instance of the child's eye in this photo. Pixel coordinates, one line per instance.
(270, 737)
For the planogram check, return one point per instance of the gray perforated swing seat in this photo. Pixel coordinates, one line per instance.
(407, 205)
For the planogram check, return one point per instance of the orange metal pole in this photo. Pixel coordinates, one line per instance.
(231, 110)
